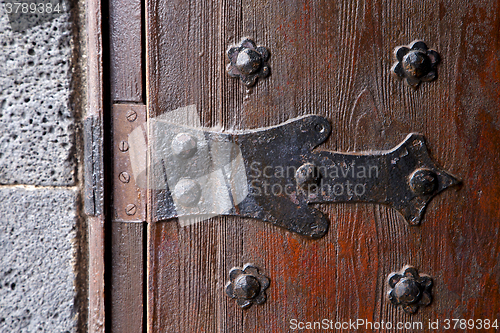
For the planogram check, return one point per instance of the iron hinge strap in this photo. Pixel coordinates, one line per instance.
(197, 173)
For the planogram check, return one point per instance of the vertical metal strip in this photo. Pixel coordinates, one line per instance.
(93, 181)
(96, 321)
(129, 196)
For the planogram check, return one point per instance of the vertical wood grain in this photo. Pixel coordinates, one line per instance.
(96, 274)
(126, 270)
(126, 290)
(96, 311)
(125, 50)
(333, 59)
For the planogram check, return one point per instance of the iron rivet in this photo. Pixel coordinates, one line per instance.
(184, 145)
(409, 289)
(123, 146)
(248, 61)
(130, 209)
(307, 175)
(187, 192)
(124, 177)
(423, 181)
(131, 115)
(416, 63)
(246, 286)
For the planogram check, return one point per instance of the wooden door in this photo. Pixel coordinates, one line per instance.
(334, 59)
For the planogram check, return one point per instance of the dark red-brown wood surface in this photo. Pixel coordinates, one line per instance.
(126, 283)
(126, 270)
(333, 58)
(125, 50)
(126, 267)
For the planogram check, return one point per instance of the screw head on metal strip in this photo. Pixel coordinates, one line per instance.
(131, 209)
(131, 115)
(123, 146)
(124, 177)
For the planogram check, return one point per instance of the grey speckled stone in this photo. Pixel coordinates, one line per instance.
(37, 124)
(37, 230)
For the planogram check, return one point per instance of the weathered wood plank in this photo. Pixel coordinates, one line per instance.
(96, 310)
(127, 266)
(125, 47)
(126, 291)
(96, 274)
(333, 59)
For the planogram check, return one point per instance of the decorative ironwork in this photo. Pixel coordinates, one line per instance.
(247, 286)
(416, 63)
(409, 289)
(248, 62)
(274, 174)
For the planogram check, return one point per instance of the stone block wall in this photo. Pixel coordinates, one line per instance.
(42, 236)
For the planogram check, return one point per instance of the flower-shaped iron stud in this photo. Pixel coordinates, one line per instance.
(248, 62)
(409, 289)
(247, 286)
(416, 63)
